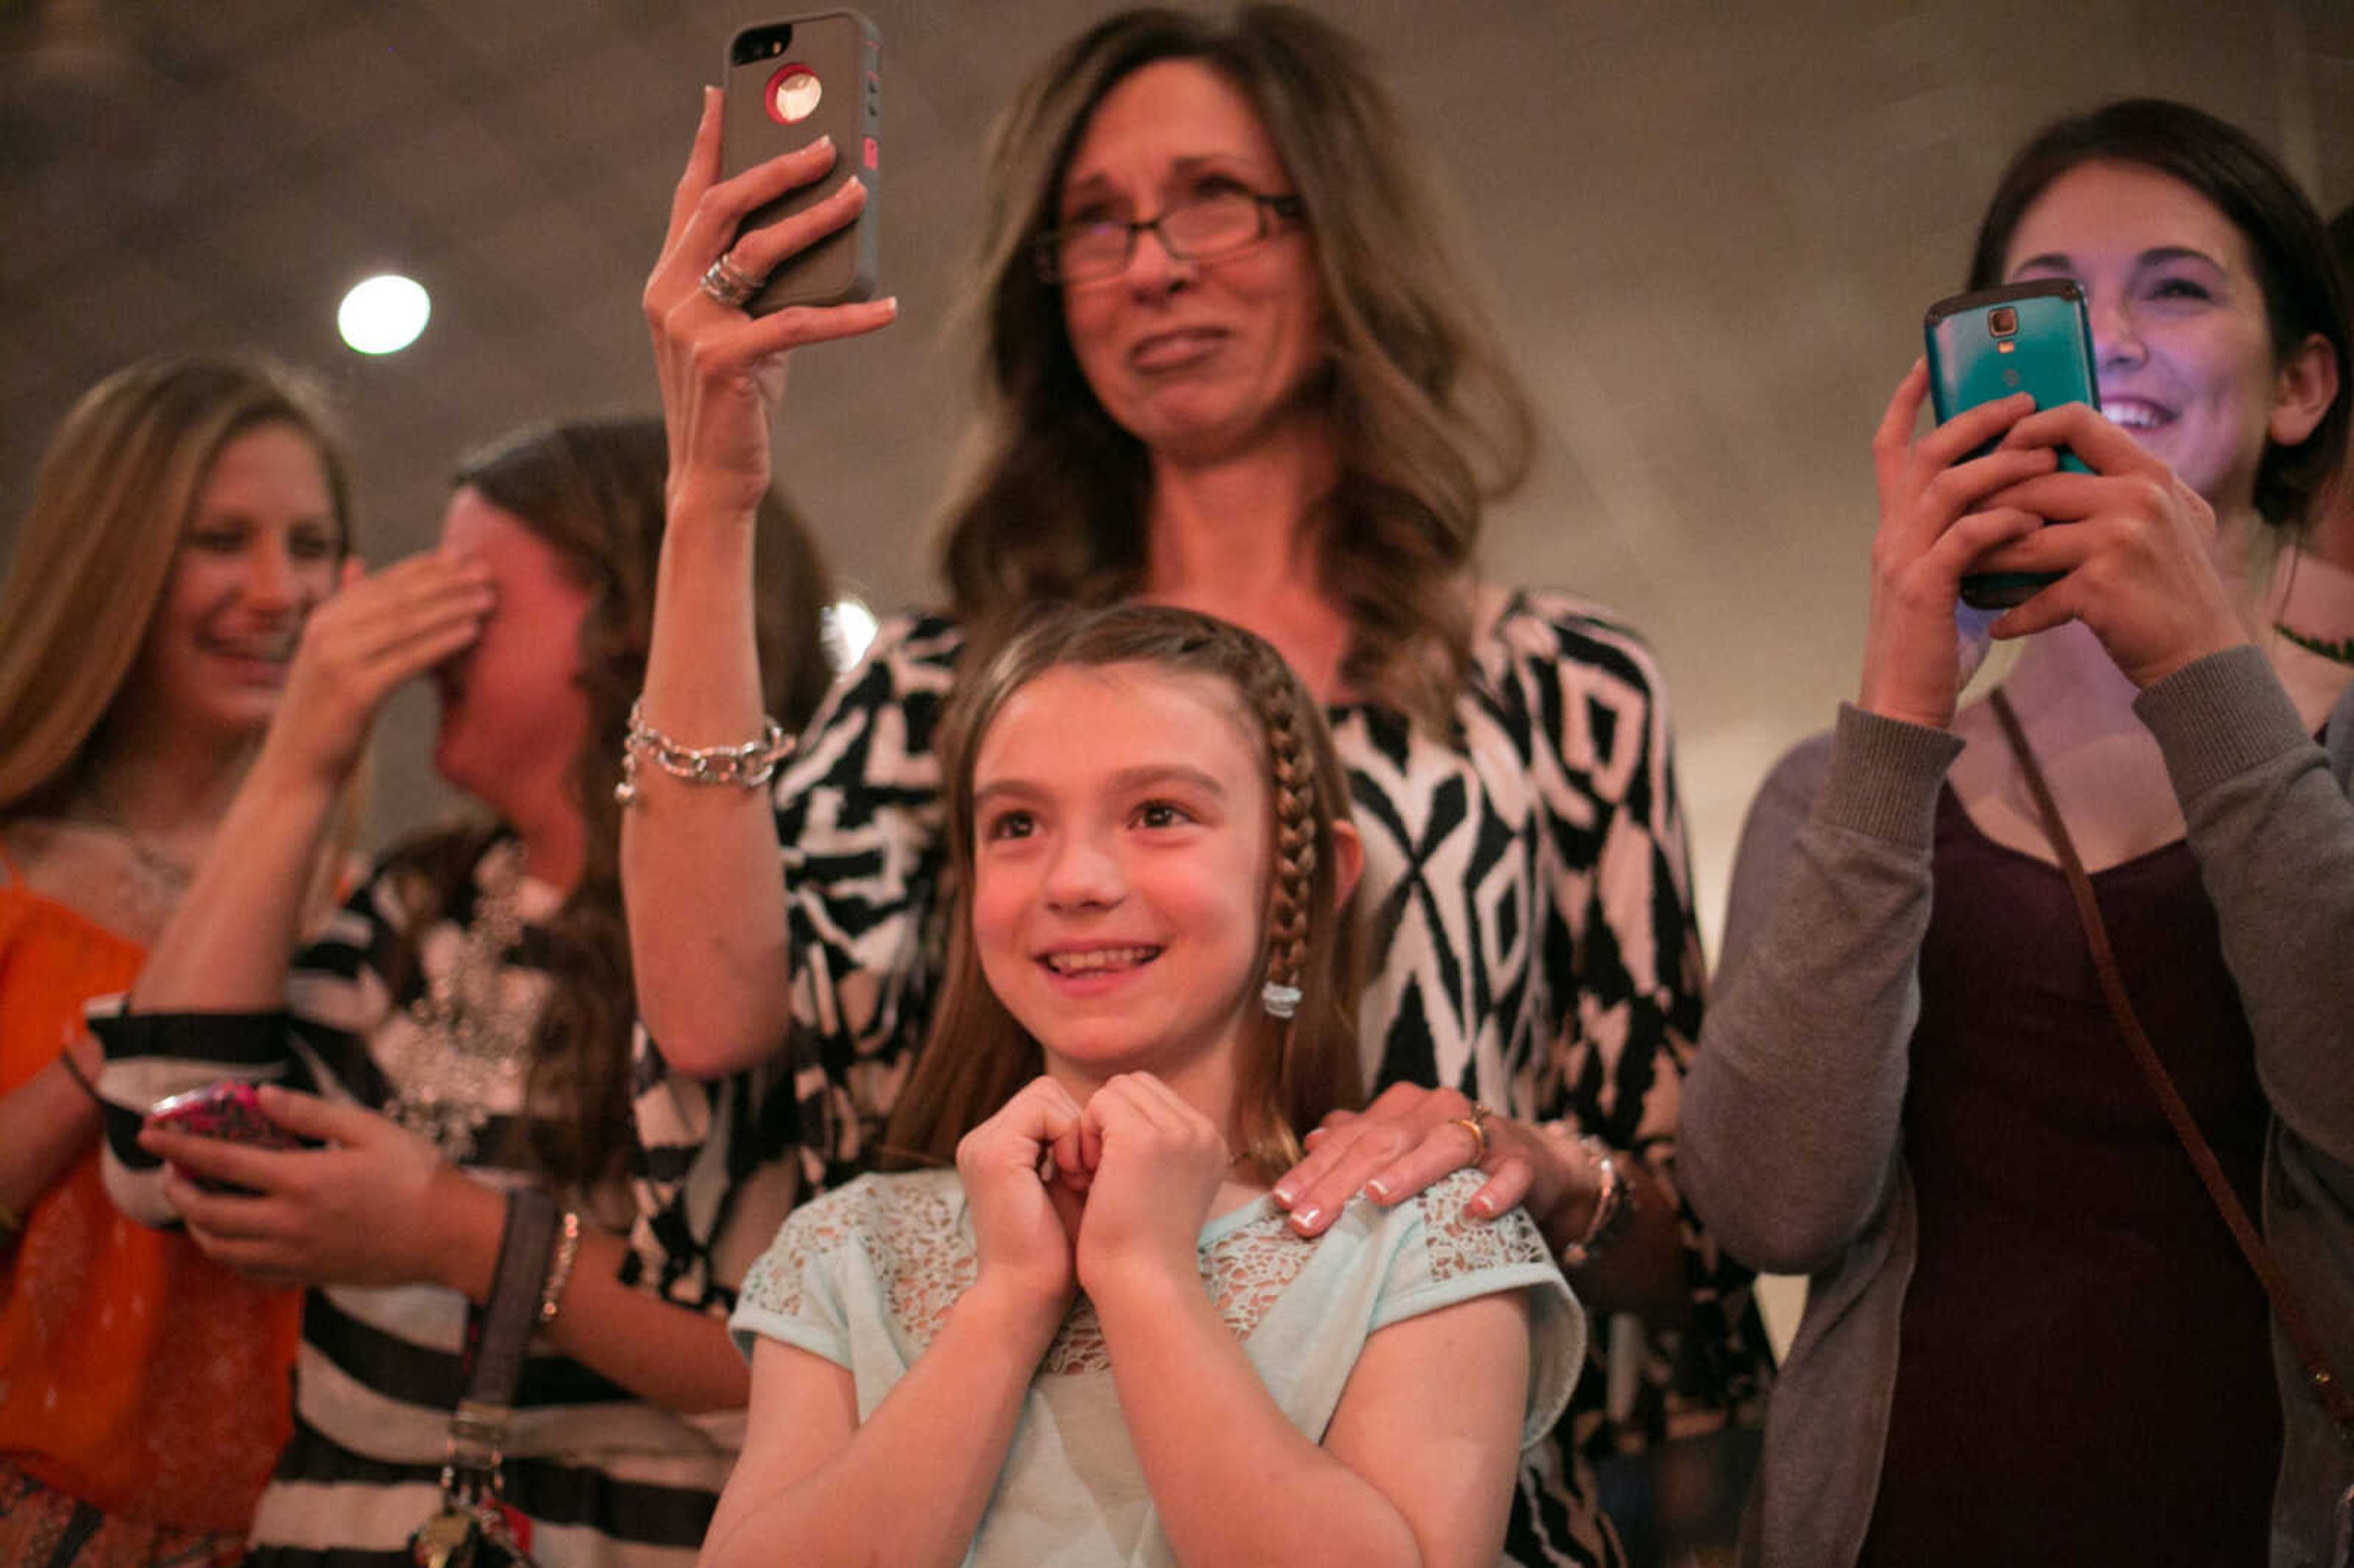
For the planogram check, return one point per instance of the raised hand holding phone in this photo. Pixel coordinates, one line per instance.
(790, 83)
(1938, 514)
(2136, 564)
(721, 370)
(2034, 337)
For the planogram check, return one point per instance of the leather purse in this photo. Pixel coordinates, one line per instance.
(475, 1527)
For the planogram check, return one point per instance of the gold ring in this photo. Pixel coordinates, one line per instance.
(1471, 1124)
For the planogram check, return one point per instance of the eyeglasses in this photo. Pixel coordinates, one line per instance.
(1206, 227)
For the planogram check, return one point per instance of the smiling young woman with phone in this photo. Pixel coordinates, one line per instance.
(2030, 1338)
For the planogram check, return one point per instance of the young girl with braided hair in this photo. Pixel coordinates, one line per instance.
(1096, 1339)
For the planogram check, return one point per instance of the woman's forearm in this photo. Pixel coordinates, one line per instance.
(674, 1356)
(226, 947)
(700, 873)
(1641, 1270)
(1791, 1112)
(46, 1124)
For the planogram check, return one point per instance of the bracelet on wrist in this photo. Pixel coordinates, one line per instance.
(747, 765)
(1614, 1206)
(559, 1268)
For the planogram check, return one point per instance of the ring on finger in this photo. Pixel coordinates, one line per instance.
(728, 283)
(1472, 1125)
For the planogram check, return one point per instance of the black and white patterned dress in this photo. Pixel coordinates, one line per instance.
(606, 1479)
(1533, 944)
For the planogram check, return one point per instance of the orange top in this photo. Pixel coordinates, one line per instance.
(135, 1374)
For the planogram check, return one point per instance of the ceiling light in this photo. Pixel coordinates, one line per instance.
(384, 314)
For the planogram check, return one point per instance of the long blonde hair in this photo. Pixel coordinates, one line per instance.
(1429, 420)
(978, 1054)
(118, 483)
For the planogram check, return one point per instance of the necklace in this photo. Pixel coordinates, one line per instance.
(469, 1039)
(2341, 651)
(159, 879)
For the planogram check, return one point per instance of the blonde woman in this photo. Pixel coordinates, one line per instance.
(187, 516)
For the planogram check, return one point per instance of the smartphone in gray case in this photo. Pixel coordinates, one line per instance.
(2021, 337)
(788, 82)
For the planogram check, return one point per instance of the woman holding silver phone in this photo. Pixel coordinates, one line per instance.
(1229, 367)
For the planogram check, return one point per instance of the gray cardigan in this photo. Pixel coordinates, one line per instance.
(1790, 1144)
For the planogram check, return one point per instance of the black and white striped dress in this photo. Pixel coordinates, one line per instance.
(1528, 895)
(604, 1477)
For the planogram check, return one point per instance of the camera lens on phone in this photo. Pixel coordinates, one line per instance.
(793, 94)
(2002, 321)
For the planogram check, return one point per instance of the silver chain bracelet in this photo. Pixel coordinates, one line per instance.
(744, 766)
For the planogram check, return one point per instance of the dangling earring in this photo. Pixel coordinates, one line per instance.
(1280, 1001)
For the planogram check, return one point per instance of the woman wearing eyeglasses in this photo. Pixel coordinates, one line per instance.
(1229, 367)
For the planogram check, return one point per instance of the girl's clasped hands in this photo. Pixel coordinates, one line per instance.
(1095, 1196)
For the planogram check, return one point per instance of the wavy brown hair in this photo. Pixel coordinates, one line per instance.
(116, 486)
(978, 1054)
(592, 491)
(1430, 422)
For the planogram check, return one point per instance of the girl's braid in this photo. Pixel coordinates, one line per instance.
(1275, 693)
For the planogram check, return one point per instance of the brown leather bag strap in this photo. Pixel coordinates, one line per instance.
(2333, 1395)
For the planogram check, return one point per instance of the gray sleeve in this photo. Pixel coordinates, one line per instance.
(2273, 831)
(1791, 1113)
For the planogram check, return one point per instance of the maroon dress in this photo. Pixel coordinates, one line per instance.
(2084, 1373)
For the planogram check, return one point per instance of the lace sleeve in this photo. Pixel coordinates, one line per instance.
(794, 1293)
(886, 1254)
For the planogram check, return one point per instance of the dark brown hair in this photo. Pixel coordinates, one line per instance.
(593, 491)
(1429, 420)
(2303, 294)
(976, 1054)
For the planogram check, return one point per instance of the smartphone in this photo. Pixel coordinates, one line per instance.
(230, 1109)
(787, 83)
(2021, 337)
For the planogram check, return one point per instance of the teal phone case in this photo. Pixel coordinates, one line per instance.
(2032, 337)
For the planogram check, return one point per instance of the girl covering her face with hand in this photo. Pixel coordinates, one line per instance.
(1096, 1339)
(462, 1026)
